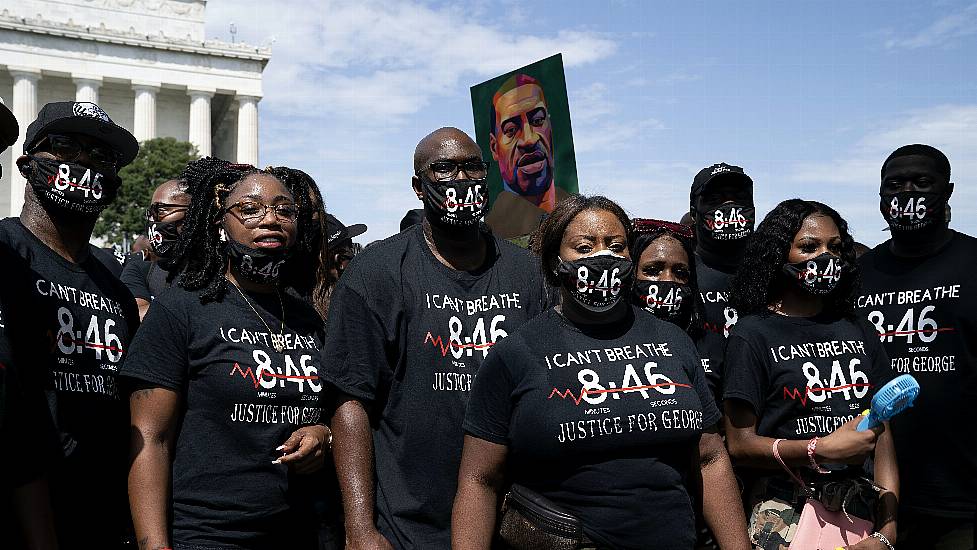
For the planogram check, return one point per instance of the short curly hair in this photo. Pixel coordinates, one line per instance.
(546, 240)
(759, 279)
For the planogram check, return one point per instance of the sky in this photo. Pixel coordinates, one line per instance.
(808, 97)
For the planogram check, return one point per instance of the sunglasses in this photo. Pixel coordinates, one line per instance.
(159, 210)
(648, 225)
(69, 149)
(252, 212)
(447, 170)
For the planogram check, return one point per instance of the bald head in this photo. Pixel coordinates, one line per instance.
(445, 144)
(172, 192)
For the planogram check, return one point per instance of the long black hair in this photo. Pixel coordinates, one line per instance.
(648, 231)
(547, 238)
(759, 277)
(200, 251)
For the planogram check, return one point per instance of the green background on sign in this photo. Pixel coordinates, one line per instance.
(549, 72)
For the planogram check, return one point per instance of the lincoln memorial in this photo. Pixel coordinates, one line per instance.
(147, 63)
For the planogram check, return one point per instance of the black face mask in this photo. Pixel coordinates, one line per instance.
(456, 203)
(819, 276)
(256, 264)
(596, 282)
(724, 224)
(911, 211)
(163, 237)
(71, 186)
(667, 300)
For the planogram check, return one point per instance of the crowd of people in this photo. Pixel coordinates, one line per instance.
(252, 382)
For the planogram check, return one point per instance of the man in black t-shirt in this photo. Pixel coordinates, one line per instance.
(27, 438)
(723, 214)
(409, 324)
(75, 312)
(918, 294)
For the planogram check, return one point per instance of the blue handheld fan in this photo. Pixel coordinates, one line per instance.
(894, 397)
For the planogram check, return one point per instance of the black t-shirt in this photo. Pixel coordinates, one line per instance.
(240, 400)
(601, 420)
(144, 278)
(803, 376)
(406, 335)
(719, 318)
(925, 311)
(84, 317)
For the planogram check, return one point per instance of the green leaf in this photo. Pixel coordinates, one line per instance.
(159, 160)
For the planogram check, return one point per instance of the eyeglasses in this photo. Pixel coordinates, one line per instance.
(252, 212)
(159, 210)
(69, 149)
(447, 170)
(647, 225)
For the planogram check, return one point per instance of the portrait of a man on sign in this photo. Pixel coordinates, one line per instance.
(522, 140)
(522, 124)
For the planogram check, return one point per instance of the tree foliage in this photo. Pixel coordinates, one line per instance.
(158, 160)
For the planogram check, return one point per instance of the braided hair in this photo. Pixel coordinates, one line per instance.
(310, 246)
(199, 251)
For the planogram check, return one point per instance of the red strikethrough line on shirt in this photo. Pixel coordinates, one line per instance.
(583, 391)
(802, 396)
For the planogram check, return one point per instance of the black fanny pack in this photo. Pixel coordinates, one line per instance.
(530, 522)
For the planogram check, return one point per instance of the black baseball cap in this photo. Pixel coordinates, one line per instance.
(9, 130)
(337, 232)
(81, 117)
(715, 172)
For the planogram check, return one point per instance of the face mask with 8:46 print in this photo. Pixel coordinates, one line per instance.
(596, 282)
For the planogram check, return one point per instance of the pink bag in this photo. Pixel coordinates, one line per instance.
(819, 529)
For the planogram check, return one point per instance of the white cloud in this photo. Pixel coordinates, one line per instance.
(598, 124)
(388, 59)
(850, 183)
(352, 86)
(941, 32)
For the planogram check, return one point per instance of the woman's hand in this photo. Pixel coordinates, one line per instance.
(305, 451)
(846, 445)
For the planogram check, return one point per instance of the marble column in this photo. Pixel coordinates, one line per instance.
(24, 107)
(200, 130)
(247, 129)
(86, 87)
(144, 118)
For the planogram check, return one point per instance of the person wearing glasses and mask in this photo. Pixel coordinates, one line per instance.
(723, 216)
(146, 277)
(226, 412)
(800, 370)
(409, 323)
(71, 294)
(608, 419)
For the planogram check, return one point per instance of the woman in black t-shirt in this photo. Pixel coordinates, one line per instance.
(226, 414)
(596, 407)
(799, 371)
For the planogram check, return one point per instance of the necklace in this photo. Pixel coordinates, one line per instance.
(277, 343)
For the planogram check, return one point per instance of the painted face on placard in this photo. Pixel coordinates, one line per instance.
(522, 140)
